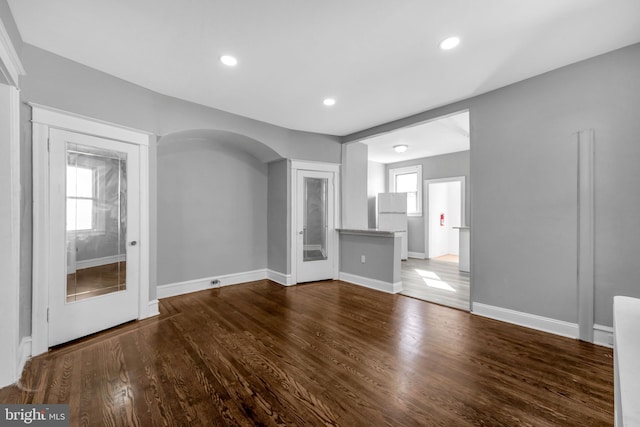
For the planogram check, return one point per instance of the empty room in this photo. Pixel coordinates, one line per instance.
(345, 213)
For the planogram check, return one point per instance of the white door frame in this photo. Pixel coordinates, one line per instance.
(334, 168)
(11, 353)
(43, 119)
(425, 205)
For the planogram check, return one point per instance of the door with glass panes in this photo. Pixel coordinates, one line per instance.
(95, 202)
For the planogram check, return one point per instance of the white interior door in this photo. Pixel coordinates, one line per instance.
(315, 213)
(94, 199)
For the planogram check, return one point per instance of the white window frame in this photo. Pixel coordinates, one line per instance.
(417, 169)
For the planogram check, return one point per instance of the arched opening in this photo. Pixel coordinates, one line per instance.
(212, 205)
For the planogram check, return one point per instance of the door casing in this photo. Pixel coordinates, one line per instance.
(46, 118)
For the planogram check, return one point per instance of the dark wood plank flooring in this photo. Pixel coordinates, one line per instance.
(326, 353)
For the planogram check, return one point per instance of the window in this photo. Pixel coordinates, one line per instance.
(81, 198)
(408, 180)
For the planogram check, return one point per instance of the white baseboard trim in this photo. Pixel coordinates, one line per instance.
(280, 278)
(24, 353)
(378, 285)
(154, 308)
(418, 255)
(173, 289)
(96, 262)
(603, 335)
(546, 324)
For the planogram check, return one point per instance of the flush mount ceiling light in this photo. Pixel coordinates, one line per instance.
(229, 61)
(449, 43)
(329, 102)
(400, 148)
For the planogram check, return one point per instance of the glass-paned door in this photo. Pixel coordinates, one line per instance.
(315, 224)
(94, 198)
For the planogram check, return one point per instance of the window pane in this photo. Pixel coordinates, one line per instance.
(407, 182)
(79, 182)
(412, 202)
(79, 214)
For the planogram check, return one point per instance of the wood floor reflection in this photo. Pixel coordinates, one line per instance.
(326, 353)
(90, 282)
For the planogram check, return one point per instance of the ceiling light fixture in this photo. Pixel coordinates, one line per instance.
(229, 61)
(449, 43)
(329, 102)
(400, 148)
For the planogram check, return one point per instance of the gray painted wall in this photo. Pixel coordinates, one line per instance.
(381, 253)
(26, 220)
(376, 184)
(444, 166)
(279, 217)
(524, 178)
(212, 211)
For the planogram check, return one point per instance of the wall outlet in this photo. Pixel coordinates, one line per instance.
(363, 259)
(215, 282)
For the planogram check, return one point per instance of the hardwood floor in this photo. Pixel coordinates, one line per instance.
(436, 280)
(326, 353)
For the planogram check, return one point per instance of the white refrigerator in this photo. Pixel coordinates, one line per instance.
(392, 216)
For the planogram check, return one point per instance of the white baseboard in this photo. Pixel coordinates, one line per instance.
(154, 308)
(418, 255)
(280, 278)
(546, 324)
(173, 289)
(378, 285)
(24, 353)
(603, 335)
(96, 262)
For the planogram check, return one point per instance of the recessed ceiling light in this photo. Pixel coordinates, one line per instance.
(329, 102)
(400, 148)
(229, 61)
(449, 43)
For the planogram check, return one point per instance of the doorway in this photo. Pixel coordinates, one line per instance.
(444, 201)
(314, 248)
(91, 231)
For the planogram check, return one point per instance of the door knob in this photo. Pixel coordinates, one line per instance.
(133, 243)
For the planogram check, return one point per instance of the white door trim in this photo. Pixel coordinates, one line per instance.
(43, 119)
(10, 64)
(10, 303)
(425, 204)
(297, 165)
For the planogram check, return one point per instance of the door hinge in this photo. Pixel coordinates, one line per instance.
(48, 145)
(47, 314)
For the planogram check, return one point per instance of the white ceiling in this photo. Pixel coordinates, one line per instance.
(379, 59)
(441, 136)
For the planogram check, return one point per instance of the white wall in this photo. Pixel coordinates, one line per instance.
(444, 198)
(376, 180)
(354, 185)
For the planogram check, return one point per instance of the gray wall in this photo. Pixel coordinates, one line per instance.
(26, 220)
(212, 211)
(279, 217)
(444, 166)
(524, 196)
(376, 184)
(382, 257)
